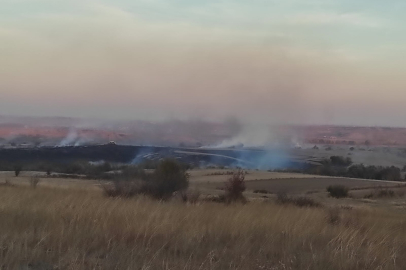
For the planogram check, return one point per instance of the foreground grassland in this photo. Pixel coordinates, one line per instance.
(54, 228)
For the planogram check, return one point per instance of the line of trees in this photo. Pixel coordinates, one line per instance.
(343, 167)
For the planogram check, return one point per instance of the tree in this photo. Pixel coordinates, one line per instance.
(168, 178)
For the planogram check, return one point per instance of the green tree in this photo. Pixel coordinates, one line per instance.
(168, 178)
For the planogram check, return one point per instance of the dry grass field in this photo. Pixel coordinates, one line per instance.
(68, 228)
(300, 185)
(218, 175)
(212, 180)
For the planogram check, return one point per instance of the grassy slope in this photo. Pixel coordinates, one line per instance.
(80, 229)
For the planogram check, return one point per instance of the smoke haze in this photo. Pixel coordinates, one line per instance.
(155, 61)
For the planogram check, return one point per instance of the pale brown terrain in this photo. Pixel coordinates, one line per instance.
(75, 227)
(351, 135)
(211, 182)
(190, 133)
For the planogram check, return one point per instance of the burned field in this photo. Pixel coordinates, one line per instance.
(208, 168)
(141, 232)
(195, 157)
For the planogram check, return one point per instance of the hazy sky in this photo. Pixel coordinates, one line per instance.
(295, 61)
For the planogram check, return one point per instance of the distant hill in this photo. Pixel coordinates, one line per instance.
(62, 131)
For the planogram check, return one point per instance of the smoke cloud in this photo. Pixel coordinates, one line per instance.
(70, 139)
(108, 62)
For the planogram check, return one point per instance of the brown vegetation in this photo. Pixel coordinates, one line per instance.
(34, 181)
(300, 201)
(338, 191)
(169, 177)
(81, 229)
(235, 186)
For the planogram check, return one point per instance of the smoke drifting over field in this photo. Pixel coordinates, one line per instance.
(250, 136)
(256, 135)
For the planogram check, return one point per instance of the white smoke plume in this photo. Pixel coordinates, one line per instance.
(250, 136)
(70, 139)
(259, 135)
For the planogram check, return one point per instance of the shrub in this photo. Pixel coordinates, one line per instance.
(333, 216)
(305, 202)
(340, 161)
(122, 188)
(34, 181)
(261, 191)
(386, 193)
(338, 191)
(48, 171)
(168, 178)
(17, 169)
(283, 198)
(216, 199)
(381, 193)
(235, 186)
(374, 172)
(74, 168)
(132, 172)
(190, 196)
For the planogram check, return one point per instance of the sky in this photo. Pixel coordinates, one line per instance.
(337, 62)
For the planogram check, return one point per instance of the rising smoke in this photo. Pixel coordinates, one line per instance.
(257, 135)
(70, 138)
(73, 138)
(250, 136)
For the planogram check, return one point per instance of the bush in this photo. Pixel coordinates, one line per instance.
(34, 181)
(333, 216)
(386, 193)
(48, 171)
(73, 168)
(374, 172)
(261, 191)
(17, 169)
(340, 161)
(190, 196)
(122, 188)
(235, 186)
(168, 178)
(305, 202)
(283, 198)
(216, 199)
(381, 193)
(338, 191)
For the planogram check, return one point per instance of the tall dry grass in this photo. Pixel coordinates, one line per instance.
(77, 229)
